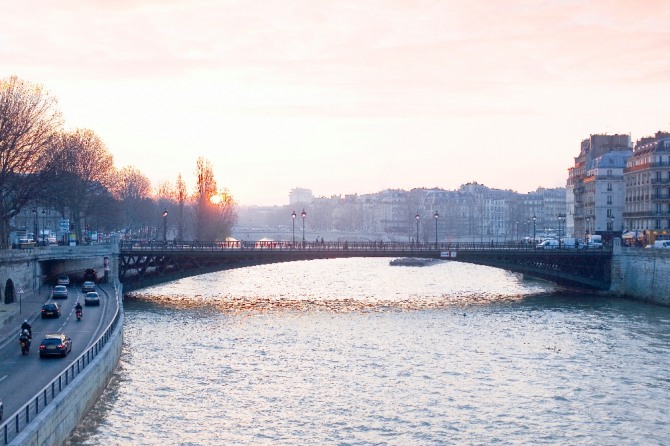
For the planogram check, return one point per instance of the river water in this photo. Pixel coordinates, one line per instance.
(357, 352)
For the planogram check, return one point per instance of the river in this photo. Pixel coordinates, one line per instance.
(357, 352)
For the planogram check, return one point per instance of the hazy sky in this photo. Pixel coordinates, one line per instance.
(351, 95)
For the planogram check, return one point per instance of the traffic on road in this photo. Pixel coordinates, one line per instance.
(56, 338)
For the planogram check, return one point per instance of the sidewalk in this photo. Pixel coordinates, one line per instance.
(11, 316)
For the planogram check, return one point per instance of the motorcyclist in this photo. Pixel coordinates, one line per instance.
(78, 309)
(25, 336)
(26, 326)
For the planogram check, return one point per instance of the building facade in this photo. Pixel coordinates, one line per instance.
(647, 182)
(581, 199)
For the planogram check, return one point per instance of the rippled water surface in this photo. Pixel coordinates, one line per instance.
(354, 351)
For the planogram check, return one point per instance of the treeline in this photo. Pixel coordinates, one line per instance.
(72, 174)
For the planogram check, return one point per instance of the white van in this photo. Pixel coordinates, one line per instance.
(661, 244)
(548, 244)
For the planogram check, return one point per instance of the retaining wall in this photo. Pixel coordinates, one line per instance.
(642, 274)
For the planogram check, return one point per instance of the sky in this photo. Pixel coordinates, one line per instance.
(347, 96)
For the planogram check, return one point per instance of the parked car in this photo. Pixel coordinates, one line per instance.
(87, 286)
(63, 279)
(572, 243)
(59, 292)
(55, 344)
(90, 274)
(50, 310)
(91, 298)
(548, 244)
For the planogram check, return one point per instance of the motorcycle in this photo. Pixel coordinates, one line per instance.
(24, 340)
(78, 314)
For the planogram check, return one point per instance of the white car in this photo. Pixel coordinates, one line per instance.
(63, 279)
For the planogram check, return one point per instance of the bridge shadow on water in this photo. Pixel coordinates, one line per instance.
(144, 264)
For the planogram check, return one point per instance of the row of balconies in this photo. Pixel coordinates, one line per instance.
(657, 197)
(649, 214)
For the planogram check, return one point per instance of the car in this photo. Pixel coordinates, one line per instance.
(548, 244)
(91, 298)
(50, 310)
(59, 292)
(1, 410)
(87, 286)
(90, 274)
(55, 344)
(63, 279)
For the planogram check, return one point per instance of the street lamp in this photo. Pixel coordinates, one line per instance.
(534, 218)
(293, 219)
(588, 227)
(516, 226)
(44, 226)
(561, 219)
(303, 215)
(436, 217)
(417, 228)
(35, 234)
(165, 214)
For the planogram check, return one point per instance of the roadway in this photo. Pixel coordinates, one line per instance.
(23, 376)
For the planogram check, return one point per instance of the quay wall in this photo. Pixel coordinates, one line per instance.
(641, 274)
(60, 417)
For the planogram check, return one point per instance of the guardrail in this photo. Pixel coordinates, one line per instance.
(22, 417)
(137, 246)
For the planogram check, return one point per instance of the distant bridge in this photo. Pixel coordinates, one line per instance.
(143, 264)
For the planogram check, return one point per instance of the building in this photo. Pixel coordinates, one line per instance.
(605, 195)
(577, 219)
(647, 182)
(300, 196)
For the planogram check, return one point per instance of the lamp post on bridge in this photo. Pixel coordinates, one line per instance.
(534, 218)
(436, 218)
(588, 228)
(561, 219)
(417, 228)
(293, 219)
(303, 215)
(165, 214)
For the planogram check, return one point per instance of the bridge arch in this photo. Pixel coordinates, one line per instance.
(143, 264)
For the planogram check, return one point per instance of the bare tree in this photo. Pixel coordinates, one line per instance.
(28, 119)
(82, 171)
(215, 210)
(181, 195)
(133, 189)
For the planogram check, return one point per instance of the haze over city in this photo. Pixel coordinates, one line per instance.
(347, 97)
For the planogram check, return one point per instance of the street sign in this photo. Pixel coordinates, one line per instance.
(65, 225)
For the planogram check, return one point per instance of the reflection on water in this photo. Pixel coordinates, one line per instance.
(352, 351)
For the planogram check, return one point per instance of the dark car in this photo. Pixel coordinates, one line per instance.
(55, 344)
(91, 298)
(59, 292)
(50, 310)
(90, 274)
(1, 410)
(87, 286)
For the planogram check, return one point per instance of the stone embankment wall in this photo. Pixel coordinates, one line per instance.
(642, 274)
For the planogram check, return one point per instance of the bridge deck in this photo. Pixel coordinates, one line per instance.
(148, 263)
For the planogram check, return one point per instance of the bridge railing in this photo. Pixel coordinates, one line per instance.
(22, 417)
(196, 246)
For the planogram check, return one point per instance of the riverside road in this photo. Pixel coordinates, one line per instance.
(23, 376)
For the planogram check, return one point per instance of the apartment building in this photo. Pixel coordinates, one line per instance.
(647, 183)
